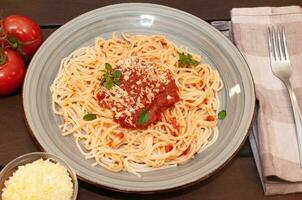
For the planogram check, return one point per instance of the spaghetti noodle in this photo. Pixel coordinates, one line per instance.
(123, 133)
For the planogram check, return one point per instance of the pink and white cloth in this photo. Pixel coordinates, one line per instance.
(273, 139)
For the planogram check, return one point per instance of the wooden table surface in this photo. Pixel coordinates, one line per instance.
(238, 180)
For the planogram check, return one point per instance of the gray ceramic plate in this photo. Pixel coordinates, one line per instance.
(184, 29)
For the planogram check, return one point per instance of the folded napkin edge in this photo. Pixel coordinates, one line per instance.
(264, 11)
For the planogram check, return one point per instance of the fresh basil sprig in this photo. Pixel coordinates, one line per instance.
(89, 117)
(116, 76)
(222, 115)
(143, 117)
(110, 81)
(186, 59)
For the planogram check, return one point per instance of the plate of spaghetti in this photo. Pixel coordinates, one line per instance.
(139, 97)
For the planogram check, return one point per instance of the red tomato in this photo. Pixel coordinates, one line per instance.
(23, 34)
(12, 71)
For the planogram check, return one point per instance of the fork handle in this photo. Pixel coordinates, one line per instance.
(297, 117)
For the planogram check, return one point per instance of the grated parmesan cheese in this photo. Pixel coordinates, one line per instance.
(140, 82)
(40, 180)
(169, 97)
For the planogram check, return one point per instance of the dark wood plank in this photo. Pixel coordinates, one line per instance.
(47, 32)
(238, 180)
(59, 12)
(245, 150)
(14, 140)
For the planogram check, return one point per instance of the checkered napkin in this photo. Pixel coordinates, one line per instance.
(273, 139)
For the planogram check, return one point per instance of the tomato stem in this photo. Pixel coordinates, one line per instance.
(13, 42)
(2, 40)
(16, 44)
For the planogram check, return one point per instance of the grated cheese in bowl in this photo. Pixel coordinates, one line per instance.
(39, 180)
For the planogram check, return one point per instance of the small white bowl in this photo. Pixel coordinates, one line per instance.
(12, 166)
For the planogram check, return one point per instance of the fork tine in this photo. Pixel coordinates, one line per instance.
(284, 44)
(270, 44)
(280, 43)
(275, 44)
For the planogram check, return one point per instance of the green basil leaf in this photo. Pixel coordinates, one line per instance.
(222, 115)
(116, 81)
(186, 59)
(181, 58)
(107, 76)
(89, 117)
(108, 84)
(117, 74)
(143, 117)
(108, 67)
(194, 62)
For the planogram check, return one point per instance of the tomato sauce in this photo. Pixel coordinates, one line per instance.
(147, 90)
(159, 105)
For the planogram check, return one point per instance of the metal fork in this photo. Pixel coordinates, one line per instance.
(282, 69)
